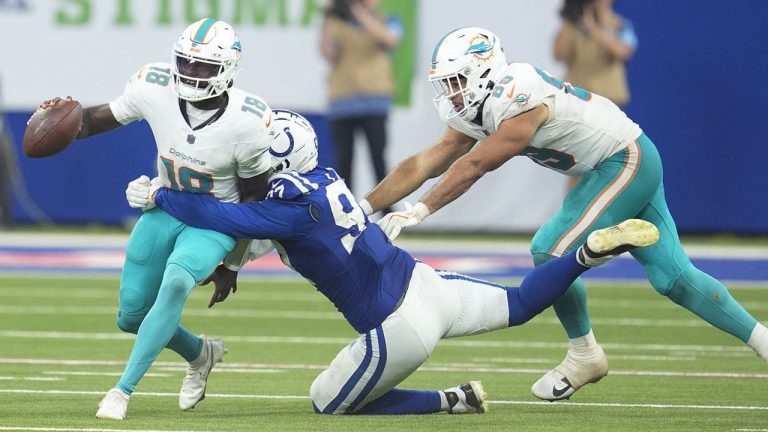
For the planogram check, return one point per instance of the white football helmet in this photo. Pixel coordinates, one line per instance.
(294, 145)
(205, 60)
(464, 62)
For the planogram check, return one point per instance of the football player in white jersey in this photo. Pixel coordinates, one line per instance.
(495, 111)
(400, 307)
(211, 138)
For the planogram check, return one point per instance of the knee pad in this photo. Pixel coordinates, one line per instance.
(177, 281)
(129, 323)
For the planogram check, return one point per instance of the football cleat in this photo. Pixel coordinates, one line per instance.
(469, 398)
(573, 373)
(604, 244)
(193, 387)
(114, 406)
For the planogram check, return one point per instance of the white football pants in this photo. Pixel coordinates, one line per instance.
(438, 305)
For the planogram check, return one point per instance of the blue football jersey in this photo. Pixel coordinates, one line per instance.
(321, 232)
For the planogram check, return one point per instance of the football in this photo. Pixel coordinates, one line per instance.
(50, 130)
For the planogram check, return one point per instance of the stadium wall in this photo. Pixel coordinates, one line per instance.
(693, 80)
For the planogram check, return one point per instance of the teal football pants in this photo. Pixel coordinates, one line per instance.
(165, 258)
(629, 185)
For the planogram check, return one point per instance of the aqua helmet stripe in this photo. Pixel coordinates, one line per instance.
(203, 30)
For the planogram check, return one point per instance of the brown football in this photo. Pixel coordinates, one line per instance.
(52, 129)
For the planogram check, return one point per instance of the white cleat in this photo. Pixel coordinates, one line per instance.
(469, 398)
(573, 373)
(193, 387)
(114, 406)
(606, 243)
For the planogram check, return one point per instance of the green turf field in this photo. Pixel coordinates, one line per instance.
(60, 351)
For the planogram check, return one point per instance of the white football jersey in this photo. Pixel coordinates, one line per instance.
(211, 158)
(583, 128)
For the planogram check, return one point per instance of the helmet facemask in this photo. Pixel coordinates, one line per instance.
(450, 86)
(198, 79)
(463, 63)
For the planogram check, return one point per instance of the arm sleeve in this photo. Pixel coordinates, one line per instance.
(259, 248)
(269, 219)
(127, 107)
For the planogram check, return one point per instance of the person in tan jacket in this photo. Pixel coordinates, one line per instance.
(595, 43)
(357, 41)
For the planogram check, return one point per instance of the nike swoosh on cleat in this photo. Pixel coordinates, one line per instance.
(556, 392)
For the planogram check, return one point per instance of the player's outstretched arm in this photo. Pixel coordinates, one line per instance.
(511, 138)
(254, 220)
(411, 173)
(96, 119)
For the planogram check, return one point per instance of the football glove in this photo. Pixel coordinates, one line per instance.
(394, 222)
(141, 192)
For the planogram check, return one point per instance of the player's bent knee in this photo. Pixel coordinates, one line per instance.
(539, 259)
(177, 281)
(679, 289)
(665, 283)
(322, 395)
(129, 323)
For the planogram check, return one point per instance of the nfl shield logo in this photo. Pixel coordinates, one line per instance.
(191, 139)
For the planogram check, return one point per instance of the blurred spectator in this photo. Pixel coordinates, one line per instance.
(595, 43)
(6, 170)
(357, 40)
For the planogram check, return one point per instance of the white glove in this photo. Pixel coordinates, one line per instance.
(140, 192)
(394, 222)
(137, 193)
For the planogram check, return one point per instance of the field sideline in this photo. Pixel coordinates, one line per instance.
(669, 370)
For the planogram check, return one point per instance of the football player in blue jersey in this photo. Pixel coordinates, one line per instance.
(400, 307)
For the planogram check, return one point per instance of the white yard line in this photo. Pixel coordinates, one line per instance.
(626, 405)
(117, 374)
(58, 429)
(437, 367)
(326, 316)
(500, 402)
(341, 341)
(119, 240)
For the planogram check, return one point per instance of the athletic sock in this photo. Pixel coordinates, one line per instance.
(399, 401)
(541, 287)
(571, 307)
(201, 359)
(758, 341)
(583, 346)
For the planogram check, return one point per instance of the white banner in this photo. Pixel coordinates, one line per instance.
(89, 48)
